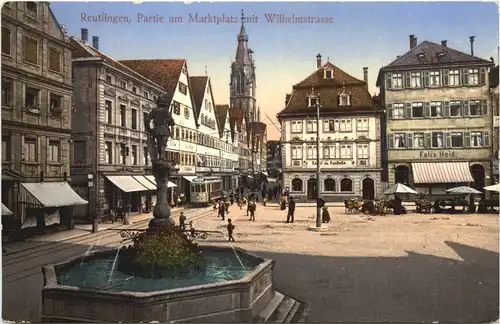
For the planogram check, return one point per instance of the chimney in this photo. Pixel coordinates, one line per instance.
(472, 45)
(365, 74)
(95, 42)
(85, 35)
(413, 41)
(443, 42)
(318, 61)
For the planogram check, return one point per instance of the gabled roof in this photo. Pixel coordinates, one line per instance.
(198, 86)
(83, 50)
(428, 53)
(221, 116)
(165, 72)
(329, 91)
(317, 79)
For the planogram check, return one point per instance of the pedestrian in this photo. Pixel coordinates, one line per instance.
(252, 206)
(182, 197)
(240, 203)
(230, 230)
(231, 198)
(146, 206)
(291, 210)
(182, 221)
(222, 209)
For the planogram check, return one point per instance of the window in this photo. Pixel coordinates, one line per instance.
(345, 151)
(329, 152)
(473, 76)
(415, 80)
(455, 108)
(398, 111)
(362, 151)
(418, 140)
(176, 107)
(346, 185)
(123, 116)
(146, 155)
(30, 149)
(329, 125)
(79, 152)
(328, 74)
(134, 89)
(182, 88)
(134, 154)
(55, 104)
(476, 139)
(399, 140)
(297, 127)
(134, 118)
(434, 79)
(123, 154)
(454, 78)
(296, 152)
(344, 100)
(5, 148)
(30, 50)
(437, 140)
(397, 81)
(417, 110)
(109, 79)
(329, 184)
(7, 92)
(313, 102)
(345, 125)
(54, 59)
(32, 98)
(475, 107)
(123, 84)
(362, 125)
(109, 112)
(311, 152)
(311, 126)
(296, 184)
(146, 94)
(31, 9)
(155, 98)
(457, 139)
(53, 151)
(6, 35)
(436, 109)
(186, 112)
(108, 154)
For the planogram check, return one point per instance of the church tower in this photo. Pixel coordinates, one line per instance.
(243, 85)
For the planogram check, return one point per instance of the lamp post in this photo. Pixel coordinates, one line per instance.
(315, 98)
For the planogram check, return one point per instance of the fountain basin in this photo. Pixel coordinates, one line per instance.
(72, 296)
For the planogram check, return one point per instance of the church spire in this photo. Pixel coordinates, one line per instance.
(242, 51)
(242, 36)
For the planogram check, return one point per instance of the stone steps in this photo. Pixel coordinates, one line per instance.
(283, 309)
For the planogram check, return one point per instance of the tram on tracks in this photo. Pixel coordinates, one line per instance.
(204, 190)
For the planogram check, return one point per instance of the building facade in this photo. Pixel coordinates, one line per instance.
(438, 118)
(36, 115)
(273, 159)
(349, 137)
(110, 160)
(494, 99)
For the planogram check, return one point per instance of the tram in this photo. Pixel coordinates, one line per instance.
(204, 190)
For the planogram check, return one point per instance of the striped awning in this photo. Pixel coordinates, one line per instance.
(445, 172)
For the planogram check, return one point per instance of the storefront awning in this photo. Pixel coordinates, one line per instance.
(445, 172)
(265, 173)
(54, 194)
(6, 211)
(190, 178)
(151, 178)
(145, 182)
(126, 183)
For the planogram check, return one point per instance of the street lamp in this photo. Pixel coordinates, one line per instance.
(315, 98)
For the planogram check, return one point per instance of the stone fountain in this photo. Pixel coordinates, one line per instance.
(214, 284)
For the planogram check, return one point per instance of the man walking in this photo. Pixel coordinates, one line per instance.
(230, 230)
(252, 206)
(291, 210)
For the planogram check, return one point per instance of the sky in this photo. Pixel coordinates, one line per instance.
(360, 34)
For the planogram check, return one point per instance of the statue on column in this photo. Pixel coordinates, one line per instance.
(158, 125)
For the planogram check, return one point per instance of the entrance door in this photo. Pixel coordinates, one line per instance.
(312, 189)
(368, 189)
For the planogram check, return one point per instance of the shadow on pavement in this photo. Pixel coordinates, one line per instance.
(414, 288)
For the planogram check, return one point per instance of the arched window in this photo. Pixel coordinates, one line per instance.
(346, 185)
(329, 185)
(296, 184)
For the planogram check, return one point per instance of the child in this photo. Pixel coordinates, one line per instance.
(182, 221)
(230, 229)
(252, 206)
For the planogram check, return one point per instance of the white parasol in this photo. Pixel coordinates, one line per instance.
(463, 190)
(493, 187)
(399, 188)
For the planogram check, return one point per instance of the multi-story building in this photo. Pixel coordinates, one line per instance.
(108, 130)
(231, 151)
(438, 117)
(349, 137)
(173, 76)
(36, 116)
(273, 158)
(242, 92)
(494, 99)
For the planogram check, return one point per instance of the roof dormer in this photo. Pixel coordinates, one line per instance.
(328, 74)
(344, 97)
(313, 99)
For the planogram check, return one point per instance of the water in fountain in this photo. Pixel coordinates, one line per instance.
(115, 261)
(234, 251)
(90, 248)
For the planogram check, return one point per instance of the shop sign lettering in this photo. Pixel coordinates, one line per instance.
(438, 154)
